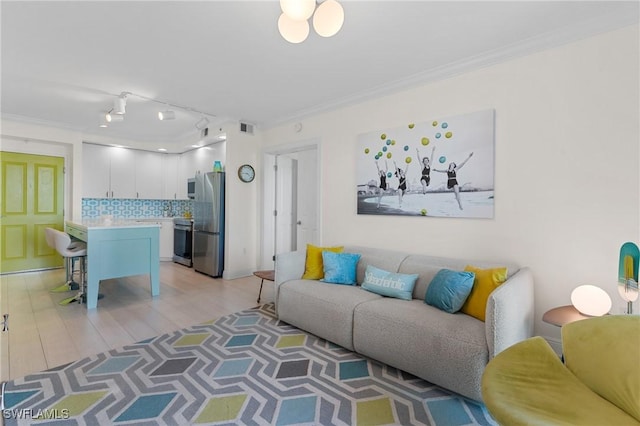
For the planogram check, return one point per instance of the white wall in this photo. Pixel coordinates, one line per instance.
(567, 166)
(241, 222)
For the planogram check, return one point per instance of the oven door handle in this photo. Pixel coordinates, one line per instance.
(182, 227)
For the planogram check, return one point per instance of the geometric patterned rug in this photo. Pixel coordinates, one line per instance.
(245, 368)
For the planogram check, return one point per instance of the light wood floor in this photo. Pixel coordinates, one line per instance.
(43, 334)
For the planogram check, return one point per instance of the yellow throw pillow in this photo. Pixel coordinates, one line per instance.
(313, 267)
(485, 282)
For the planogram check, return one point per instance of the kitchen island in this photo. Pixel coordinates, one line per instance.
(118, 248)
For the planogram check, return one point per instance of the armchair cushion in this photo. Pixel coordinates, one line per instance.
(527, 384)
(604, 353)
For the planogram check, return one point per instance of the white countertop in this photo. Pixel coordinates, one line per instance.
(114, 223)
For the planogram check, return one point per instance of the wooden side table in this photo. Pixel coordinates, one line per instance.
(269, 275)
(563, 315)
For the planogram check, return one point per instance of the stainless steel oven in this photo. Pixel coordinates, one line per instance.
(183, 241)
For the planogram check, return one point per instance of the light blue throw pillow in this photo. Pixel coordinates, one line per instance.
(448, 290)
(340, 268)
(388, 283)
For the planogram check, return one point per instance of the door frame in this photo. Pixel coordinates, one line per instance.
(267, 237)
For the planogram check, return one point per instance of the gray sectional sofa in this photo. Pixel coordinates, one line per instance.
(449, 350)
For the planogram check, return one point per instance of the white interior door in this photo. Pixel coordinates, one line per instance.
(307, 199)
(291, 200)
(286, 167)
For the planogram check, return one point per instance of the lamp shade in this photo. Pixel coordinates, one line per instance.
(298, 10)
(328, 18)
(293, 31)
(591, 300)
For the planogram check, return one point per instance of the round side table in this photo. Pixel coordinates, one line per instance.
(563, 315)
(269, 275)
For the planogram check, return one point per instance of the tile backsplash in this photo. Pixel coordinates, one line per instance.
(124, 208)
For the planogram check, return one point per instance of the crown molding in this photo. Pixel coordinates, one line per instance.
(617, 19)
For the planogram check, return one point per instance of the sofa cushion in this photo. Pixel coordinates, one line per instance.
(340, 268)
(427, 266)
(313, 266)
(323, 309)
(449, 289)
(485, 282)
(380, 258)
(387, 283)
(447, 349)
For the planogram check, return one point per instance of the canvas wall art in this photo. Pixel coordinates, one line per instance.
(443, 167)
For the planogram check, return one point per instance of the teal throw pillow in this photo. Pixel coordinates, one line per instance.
(340, 268)
(389, 284)
(448, 290)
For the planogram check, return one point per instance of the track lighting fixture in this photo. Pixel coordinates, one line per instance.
(202, 123)
(166, 115)
(111, 117)
(119, 104)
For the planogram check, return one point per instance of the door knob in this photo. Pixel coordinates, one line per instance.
(299, 222)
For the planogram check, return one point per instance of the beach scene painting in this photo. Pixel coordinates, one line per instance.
(443, 167)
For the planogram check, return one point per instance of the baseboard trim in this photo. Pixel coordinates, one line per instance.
(232, 275)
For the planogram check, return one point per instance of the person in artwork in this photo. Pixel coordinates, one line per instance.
(402, 181)
(382, 174)
(425, 180)
(452, 177)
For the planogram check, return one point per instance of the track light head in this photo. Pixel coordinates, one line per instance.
(119, 105)
(110, 117)
(202, 123)
(166, 115)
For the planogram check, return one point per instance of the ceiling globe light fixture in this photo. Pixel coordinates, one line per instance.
(293, 31)
(298, 10)
(293, 22)
(166, 115)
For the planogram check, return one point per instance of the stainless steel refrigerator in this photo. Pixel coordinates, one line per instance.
(208, 224)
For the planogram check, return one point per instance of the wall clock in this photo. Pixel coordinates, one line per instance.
(246, 173)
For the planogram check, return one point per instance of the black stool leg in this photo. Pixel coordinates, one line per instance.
(260, 293)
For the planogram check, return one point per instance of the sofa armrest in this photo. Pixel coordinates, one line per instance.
(510, 312)
(289, 266)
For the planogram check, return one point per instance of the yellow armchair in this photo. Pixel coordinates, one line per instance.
(598, 384)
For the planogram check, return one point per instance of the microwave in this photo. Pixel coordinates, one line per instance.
(191, 188)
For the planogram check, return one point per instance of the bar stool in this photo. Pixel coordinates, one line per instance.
(71, 252)
(49, 235)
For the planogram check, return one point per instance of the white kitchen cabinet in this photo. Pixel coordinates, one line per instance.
(166, 239)
(96, 165)
(170, 184)
(148, 175)
(108, 172)
(185, 171)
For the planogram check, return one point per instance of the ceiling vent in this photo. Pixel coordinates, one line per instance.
(246, 128)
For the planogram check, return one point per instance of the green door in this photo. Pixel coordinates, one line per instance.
(31, 199)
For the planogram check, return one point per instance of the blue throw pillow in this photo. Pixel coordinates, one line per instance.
(448, 290)
(389, 284)
(340, 268)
